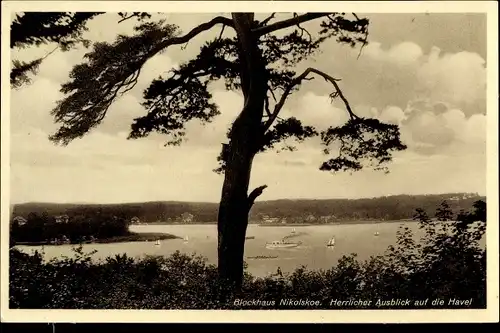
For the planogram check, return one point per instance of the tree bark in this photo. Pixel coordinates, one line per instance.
(243, 145)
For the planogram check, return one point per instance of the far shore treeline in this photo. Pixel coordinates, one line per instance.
(398, 207)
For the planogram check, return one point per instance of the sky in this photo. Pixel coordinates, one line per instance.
(424, 72)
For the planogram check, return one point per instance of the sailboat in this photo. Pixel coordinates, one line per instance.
(376, 233)
(293, 231)
(157, 242)
(331, 242)
(186, 239)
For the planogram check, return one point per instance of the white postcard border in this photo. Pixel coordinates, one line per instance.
(295, 316)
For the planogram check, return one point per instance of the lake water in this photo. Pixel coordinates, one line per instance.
(202, 240)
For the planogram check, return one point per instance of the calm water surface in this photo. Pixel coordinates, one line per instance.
(202, 240)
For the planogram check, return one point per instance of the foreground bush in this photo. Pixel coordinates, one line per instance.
(447, 263)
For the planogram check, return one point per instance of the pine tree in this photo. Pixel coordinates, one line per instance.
(257, 61)
(61, 28)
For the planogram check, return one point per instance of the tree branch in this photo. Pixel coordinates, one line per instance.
(202, 27)
(222, 31)
(296, 81)
(19, 71)
(49, 53)
(93, 99)
(194, 32)
(288, 23)
(366, 37)
(266, 21)
(266, 106)
(128, 17)
(139, 15)
(254, 194)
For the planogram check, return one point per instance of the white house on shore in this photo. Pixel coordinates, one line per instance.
(186, 218)
(62, 219)
(268, 219)
(20, 220)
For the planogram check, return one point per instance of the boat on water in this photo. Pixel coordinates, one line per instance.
(250, 237)
(284, 224)
(331, 242)
(263, 257)
(282, 244)
(376, 233)
(60, 241)
(186, 239)
(157, 242)
(294, 231)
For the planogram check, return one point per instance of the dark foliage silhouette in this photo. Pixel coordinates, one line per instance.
(76, 229)
(63, 29)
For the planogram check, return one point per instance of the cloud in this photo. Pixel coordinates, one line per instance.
(104, 168)
(392, 75)
(475, 129)
(426, 128)
(392, 115)
(31, 106)
(459, 79)
(455, 78)
(447, 131)
(317, 110)
(405, 53)
(437, 98)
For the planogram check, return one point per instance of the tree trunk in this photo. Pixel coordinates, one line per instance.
(243, 145)
(233, 214)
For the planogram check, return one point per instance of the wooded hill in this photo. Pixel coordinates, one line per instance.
(382, 208)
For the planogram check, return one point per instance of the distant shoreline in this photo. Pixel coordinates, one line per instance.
(132, 237)
(281, 224)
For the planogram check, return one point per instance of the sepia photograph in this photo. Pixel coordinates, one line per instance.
(214, 156)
